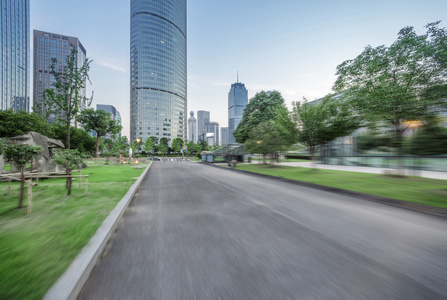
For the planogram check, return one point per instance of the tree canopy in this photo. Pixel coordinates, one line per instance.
(405, 81)
(18, 123)
(262, 107)
(99, 121)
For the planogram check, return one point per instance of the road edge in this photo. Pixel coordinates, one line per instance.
(421, 208)
(69, 284)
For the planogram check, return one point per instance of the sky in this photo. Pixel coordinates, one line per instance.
(292, 46)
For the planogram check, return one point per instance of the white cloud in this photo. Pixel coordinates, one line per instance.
(111, 66)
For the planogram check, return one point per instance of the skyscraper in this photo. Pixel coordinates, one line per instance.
(237, 101)
(114, 114)
(224, 136)
(46, 47)
(14, 54)
(213, 127)
(203, 119)
(192, 128)
(158, 69)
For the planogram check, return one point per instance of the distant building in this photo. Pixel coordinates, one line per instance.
(158, 69)
(213, 127)
(114, 114)
(192, 128)
(237, 101)
(224, 138)
(46, 47)
(203, 119)
(14, 55)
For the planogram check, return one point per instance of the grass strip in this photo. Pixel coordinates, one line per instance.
(420, 190)
(37, 249)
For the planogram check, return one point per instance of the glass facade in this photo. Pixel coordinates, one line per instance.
(237, 101)
(158, 96)
(14, 54)
(203, 120)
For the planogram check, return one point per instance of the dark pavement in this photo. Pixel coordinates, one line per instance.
(198, 232)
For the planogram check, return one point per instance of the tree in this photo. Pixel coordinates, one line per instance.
(19, 123)
(99, 121)
(191, 148)
(149, 146)
(79, 138)
(267, 139)
(262, 107)
(70, 159)
(319, 123)
(163, 146)
(21, 155)
(66, 97)
(177, 144)
(396, 84)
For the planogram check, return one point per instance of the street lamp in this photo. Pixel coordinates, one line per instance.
(138, 142)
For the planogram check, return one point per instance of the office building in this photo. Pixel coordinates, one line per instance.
(237, 101)
(46, 47)
(158, 95)
(203, 119)
(224, 138)
(14, 55)
(213, 127)
(192, 128)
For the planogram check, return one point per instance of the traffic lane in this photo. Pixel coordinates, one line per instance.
(411, 242)
(184, 237)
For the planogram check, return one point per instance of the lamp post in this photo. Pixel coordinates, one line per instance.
(138, 143)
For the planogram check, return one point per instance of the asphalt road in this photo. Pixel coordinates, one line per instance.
(198, 232)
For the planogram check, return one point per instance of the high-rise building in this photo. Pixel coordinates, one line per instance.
(46, 47)
(224, 136)
(158, 94)
(14, 54)
(203, 119)
(192, 128)
(213, 127)
(237, 101)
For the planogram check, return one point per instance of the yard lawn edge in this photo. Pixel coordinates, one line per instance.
(71, 282)
(421, 208)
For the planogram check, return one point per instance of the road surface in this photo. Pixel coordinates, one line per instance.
(199, 232)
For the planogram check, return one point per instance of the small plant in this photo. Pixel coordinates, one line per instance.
(70, 159)
(21, 155)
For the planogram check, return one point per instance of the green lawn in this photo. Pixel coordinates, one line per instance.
(37, 249)
(413, 189)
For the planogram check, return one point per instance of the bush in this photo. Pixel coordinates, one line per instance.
(297, 156)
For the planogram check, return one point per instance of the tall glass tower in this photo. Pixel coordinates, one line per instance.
(14, 54)
(158, 69)
(237, 101)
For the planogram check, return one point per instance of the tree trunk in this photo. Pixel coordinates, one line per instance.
(97, 145)
(69, 184)
(22, 186)
(67, 140)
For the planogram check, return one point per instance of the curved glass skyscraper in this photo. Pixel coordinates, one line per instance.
(158, 69)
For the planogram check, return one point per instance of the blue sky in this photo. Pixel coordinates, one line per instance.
(292, 46)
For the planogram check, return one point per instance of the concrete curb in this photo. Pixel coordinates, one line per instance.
(71, 282)
(435, 211)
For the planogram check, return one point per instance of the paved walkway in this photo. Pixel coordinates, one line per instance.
(420, 173)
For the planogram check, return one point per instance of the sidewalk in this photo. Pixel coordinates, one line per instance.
(420, 173)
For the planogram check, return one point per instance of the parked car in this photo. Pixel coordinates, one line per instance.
(154, 158)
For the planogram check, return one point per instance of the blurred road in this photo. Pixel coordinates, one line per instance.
(198, 232)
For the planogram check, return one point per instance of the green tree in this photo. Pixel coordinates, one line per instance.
(18, 123)
(177, 144)
(396, 84)
(319, 123)
(79, 138)
(21, 155)
(428, 140)
(70, 159)
(262, 107)
(149, 146)
(267, 139)
(191, 148)
(163, 146)
(99, 121)
(66, 96)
